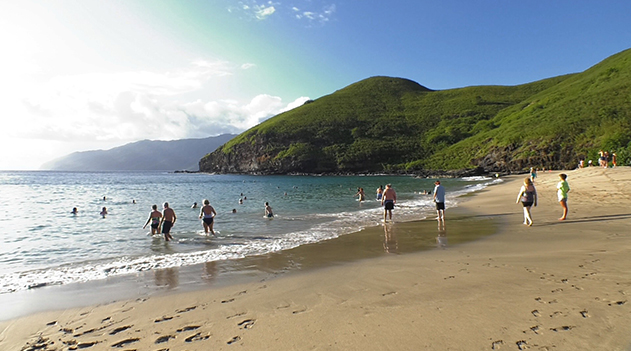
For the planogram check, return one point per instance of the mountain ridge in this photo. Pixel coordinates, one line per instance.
(144, 155)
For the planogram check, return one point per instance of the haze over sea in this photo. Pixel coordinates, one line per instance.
(44, 244)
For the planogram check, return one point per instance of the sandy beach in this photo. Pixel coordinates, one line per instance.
(558, 285)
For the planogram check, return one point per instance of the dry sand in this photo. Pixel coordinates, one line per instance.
(558, 285)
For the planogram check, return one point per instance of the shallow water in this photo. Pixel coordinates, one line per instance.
(44, 244)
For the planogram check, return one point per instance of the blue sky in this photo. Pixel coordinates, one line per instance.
(95, 74)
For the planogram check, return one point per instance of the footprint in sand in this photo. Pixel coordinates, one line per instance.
(233, 340)
(197, 337)
(617, 303)
(495, 345)
(584, 314)
(164, 339)
(563, 328)
(85, 345)
(120, 329)
(188, 328)
(126, 342)
(186, 309)
(247, 324)
(227, 301)
(163, 319)
(522, 344)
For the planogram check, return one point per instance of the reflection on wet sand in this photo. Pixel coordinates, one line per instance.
(390, 242)
(210, 271)
(441, 239)
(168, 277)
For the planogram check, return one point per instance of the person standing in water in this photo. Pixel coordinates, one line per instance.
(361, 194)
(154, 218)
(167, 222)
(207, 215)
(562, 189)
(528, 197)
(379, 192)
(439, 199)
(268, 211)
(103, 212)
(388, 200)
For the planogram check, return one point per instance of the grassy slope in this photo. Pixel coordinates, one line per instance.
(384, 123)
(584, 113)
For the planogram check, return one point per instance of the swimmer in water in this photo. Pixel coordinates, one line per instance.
(154, 218)
(74, 211)
(207, 215)
(268, 211)
(104, 212)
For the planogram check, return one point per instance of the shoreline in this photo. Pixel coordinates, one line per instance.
(368, 243)
(556, 285)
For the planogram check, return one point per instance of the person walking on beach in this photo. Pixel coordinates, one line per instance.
(154, 218)
(439, 199)
(207, 215)
(533, 174)
(167, 222)
(528, 197)
(388, 200)
(268, 211)
(562, 189)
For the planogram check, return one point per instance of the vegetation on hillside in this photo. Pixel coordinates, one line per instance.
(391, 124)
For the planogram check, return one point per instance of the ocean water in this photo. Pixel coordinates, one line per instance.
(43, 244)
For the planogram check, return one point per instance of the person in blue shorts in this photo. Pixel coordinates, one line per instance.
(388, 200)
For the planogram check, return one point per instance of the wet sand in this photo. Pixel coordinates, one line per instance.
(558, 285)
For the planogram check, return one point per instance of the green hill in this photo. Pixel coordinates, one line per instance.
(385, 124)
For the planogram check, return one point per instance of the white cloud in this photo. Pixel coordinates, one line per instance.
(130, 106)
(263, 12)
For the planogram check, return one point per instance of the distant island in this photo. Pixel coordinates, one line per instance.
(394, 125)
(145, 155)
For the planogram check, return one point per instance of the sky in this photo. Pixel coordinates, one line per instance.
(96, 74)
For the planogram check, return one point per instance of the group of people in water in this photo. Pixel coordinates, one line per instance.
(388, 198)
(528, 196)
(166, 219)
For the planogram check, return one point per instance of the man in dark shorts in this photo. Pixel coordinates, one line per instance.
(388, 199)
(439, 198)
(168, 220)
